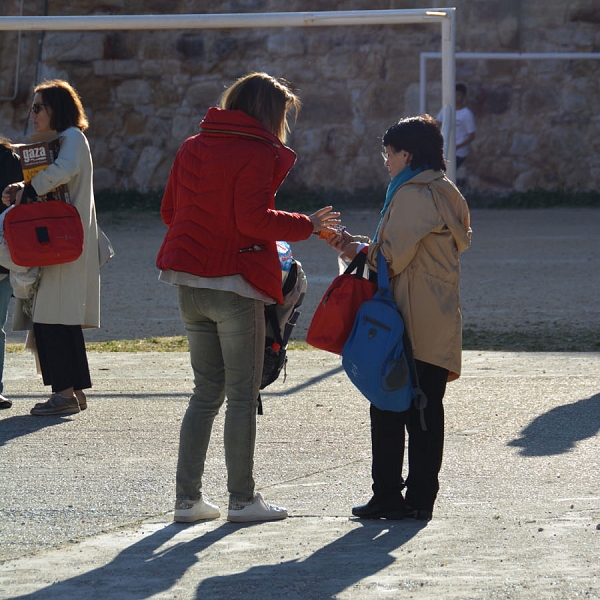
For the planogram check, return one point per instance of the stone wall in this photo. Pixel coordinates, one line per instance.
(145, 91)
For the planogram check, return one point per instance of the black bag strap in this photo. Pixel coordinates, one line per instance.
(358, 264)
(291, 279)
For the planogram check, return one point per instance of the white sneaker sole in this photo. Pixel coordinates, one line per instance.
(193, 519)
(206, 512)
(235, 518)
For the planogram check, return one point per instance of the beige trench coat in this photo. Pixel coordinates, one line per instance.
(425, 228)
(69, 294)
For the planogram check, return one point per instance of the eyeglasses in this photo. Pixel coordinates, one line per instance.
(36, 107)
(387, 155)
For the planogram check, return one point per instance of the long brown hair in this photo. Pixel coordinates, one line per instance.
(266, 98)
(63, 99)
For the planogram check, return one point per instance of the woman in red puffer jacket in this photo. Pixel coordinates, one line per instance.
(220, 251)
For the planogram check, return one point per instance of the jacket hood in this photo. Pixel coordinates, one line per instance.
(236, 122)
(450, 203)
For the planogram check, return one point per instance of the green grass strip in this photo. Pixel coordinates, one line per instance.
(541, 339)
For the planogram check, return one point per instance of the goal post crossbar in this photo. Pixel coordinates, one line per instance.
(442, 16)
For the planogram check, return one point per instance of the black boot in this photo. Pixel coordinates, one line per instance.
(374, 510)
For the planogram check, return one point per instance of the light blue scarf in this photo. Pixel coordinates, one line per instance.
(405, 175)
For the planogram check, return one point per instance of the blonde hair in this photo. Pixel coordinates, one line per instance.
(266, 98)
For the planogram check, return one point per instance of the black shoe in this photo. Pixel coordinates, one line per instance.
(372, 510)
(5, 402)
(419, 514)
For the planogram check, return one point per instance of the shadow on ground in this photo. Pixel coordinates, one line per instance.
(558, 430)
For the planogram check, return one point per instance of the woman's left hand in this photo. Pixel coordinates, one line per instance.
(325, 219)
(12, 193)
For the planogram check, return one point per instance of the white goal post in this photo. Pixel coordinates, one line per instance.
(446, 17)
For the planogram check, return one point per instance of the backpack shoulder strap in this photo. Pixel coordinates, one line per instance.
(383, 283)
(383, 279)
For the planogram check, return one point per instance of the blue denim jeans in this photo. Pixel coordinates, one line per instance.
(5, 294)
(226, 333)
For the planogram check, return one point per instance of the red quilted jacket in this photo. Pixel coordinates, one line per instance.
(219, 203)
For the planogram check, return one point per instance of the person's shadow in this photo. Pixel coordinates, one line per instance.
(359, 554)
(143, 570)
(20, 425)
(558, 430)
(140, 571)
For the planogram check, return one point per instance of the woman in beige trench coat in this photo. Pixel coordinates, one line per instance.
(68, 297)
(425, 224)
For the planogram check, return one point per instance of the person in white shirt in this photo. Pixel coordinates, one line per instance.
(465, 124)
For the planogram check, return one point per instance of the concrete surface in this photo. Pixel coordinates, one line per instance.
(86, 500)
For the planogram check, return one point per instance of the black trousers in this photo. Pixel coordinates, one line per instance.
(425, 448)
(62, 355)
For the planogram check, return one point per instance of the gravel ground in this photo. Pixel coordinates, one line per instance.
(525, 268)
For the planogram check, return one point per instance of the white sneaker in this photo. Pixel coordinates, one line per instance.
(258, 510)
(197, 511)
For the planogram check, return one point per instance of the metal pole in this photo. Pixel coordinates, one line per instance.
(224, 21)
(448, 93)
(18, 64)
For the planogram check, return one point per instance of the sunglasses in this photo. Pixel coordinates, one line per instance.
(35, 107)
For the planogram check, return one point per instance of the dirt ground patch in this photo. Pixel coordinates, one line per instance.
(525, 268)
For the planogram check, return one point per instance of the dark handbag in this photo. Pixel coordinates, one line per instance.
(43, 233)
(333, 320)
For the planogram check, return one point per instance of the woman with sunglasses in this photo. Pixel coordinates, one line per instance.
(68, 296)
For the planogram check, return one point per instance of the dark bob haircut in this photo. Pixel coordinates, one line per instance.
(421, 137)
(67, 110)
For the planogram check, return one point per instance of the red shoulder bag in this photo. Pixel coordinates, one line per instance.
(43, 233)
(334, 318)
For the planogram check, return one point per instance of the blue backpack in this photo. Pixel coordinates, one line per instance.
(377, 356)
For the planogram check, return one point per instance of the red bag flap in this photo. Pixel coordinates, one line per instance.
(334, 318)
(43, 233)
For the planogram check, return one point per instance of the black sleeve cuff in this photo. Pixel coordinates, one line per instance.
(28, 193)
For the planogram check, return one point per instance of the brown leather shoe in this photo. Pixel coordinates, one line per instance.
(81, 399)
(56, 405)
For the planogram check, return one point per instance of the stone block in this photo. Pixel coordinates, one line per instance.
(134, 92)
(69, 46)
(135, 123)
(527, 180)
(116, 68)
(287, 43)
(200, 95)
(523, 143)
(103, 121)
(105, 179)
(184, 126)
(125, 159)
(147, 163)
